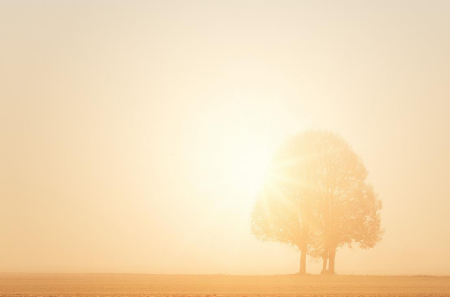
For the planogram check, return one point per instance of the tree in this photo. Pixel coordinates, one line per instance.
(318, 199)
(281, 217)
(285, 207)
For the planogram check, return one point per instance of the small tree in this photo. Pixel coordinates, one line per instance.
(284, 218)
(318, 199)
(285, 208)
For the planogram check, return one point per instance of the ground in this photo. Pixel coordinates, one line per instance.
(220, 285)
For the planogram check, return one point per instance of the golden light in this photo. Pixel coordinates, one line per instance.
(234, 143)
(245, 164)
(243, 150)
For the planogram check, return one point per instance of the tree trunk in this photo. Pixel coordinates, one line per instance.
(324, 262)
(303, 261)
(332, 261)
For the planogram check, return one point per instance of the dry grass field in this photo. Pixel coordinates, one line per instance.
(220, 285)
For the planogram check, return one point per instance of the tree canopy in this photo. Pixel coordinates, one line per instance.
(317, 199)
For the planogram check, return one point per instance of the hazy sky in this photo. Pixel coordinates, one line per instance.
(133, 135)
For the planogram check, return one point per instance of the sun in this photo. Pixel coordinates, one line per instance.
(248, 167)
(245, 163)
(238, 139)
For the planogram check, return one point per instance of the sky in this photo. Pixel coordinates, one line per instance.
(134, 135)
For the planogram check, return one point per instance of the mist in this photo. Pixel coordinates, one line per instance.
(133, 135)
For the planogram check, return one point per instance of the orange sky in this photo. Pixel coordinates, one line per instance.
(134, 135)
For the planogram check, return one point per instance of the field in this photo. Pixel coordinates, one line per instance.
(220, 285)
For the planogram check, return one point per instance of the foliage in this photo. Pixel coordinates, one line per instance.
(317, 197)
